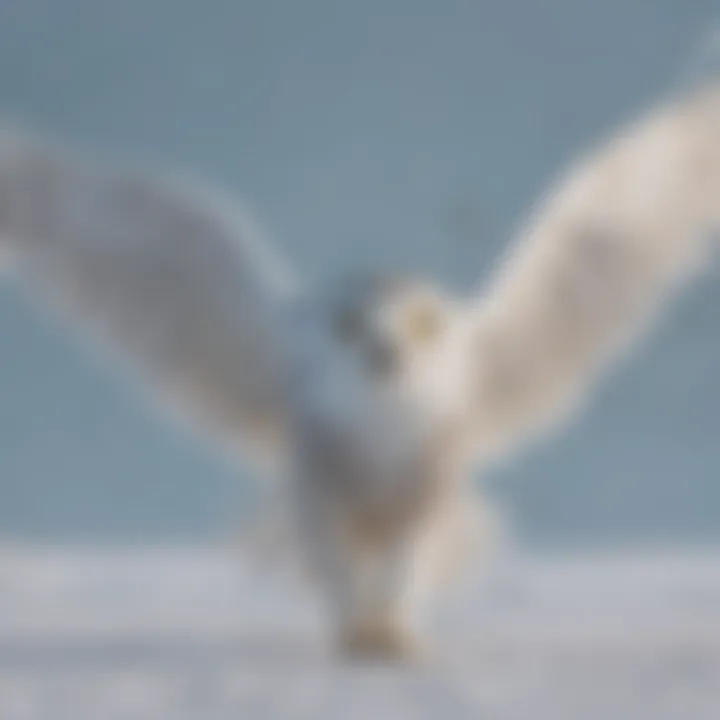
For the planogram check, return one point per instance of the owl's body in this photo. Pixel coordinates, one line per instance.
(378, 469)
(379, 401)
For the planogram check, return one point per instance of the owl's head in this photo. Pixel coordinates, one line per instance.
(401, 332)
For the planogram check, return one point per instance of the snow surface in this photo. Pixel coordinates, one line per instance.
(89, 634)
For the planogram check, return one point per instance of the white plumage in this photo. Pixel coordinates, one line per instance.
(379, 400)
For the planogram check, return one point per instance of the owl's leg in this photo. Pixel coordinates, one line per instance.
(378, 591)
(386, 624)
(402, 577)
(376, 587)
(363, 587)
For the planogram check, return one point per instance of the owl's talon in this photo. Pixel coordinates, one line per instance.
(382, 644)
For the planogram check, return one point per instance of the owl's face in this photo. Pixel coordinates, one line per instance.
(383, 324)
(401, 334)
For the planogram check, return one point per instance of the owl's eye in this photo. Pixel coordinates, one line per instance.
(347, 325)
(425, 323)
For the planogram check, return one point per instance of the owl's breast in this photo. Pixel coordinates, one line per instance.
(358, 417)
(375, 490)
(363, 451)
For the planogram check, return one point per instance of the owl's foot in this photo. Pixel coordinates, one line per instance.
(382, 643)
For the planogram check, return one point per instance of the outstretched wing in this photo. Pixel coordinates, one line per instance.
(601, 254)
(176, 281)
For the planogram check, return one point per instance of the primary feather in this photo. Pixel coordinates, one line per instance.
(175, 280)
(598, 259)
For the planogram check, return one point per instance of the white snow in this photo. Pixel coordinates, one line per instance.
(88, 634)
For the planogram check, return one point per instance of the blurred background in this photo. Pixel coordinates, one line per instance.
(402, 133)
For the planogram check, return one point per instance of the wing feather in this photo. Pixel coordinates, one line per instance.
(600, 256)
(174, 279)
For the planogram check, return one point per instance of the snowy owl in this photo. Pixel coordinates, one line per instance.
(377, 400)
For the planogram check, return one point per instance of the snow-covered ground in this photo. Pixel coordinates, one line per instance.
(200, 633)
